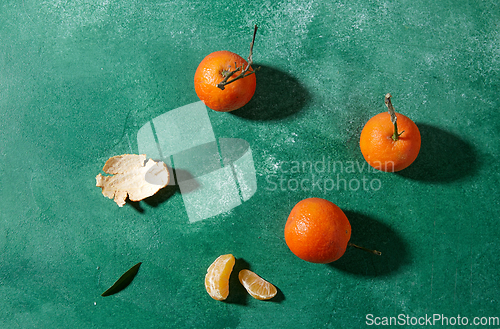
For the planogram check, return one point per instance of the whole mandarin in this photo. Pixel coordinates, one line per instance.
(317, 231)
(212, 70)
(379, 148)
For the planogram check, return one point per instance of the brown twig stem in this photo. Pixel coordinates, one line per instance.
(243, 73)
(375, 252)
(394, 119)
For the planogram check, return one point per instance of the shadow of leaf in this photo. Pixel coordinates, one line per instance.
(372, 234)
(444, 157)
(278, 95)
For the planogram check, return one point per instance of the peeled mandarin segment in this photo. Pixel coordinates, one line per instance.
(217, 278)
(256, 286)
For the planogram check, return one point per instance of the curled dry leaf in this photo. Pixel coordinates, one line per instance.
(133, 176)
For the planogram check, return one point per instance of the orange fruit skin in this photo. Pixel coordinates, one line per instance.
(210, 72)
(381, 151)
(317, 231)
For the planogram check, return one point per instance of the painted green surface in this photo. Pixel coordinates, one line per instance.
(78, 79)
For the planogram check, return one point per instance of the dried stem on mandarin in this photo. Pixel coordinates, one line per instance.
(375, 252)
(394, 119)
(243, 73)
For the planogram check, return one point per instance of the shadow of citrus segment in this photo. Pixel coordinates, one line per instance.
(278, 95)
(372, 234)
(237, 293)
(444, 157)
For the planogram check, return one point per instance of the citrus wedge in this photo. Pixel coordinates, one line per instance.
(256, 286)
(217, 278)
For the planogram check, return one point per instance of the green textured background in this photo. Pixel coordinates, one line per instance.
(79, 78)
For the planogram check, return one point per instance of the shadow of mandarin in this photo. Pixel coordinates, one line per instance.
(443, 158)
(375, 235)
(278, 95)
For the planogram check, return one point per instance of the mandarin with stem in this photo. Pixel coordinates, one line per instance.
(383, 146)
(225, 81)
(318, 231)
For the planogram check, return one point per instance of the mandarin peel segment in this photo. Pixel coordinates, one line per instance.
(133, 177)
